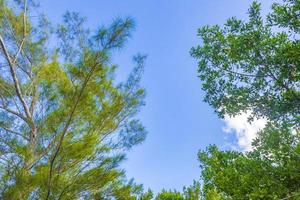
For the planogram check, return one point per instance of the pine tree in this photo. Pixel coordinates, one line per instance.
(65, 122)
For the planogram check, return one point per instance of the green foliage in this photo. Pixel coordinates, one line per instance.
(254, 66)
(169, 195)
(192, 192)
(250, 66)
(286, 15)
(270, 171)
(147, 195)
(65, 123)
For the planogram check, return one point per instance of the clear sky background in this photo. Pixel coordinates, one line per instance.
(177, 121)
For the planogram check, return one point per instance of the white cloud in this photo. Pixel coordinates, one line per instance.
(244, 131)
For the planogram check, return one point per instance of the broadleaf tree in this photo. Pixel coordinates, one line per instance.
(65, 122)
(253, 66)
(192, 192)
(269, 171)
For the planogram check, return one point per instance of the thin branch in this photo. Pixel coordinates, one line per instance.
(24, 33)
(294, 195)
(45, 151)
(14, 113)
(19, 51)
(67, 126)
(12, 97)
(15, 79)
(234, 72)
(15, 132)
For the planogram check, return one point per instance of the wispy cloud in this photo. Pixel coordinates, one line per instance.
(244, 131)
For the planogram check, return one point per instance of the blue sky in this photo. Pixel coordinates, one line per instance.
(177, 121)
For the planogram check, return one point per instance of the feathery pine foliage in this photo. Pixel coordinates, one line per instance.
(64, 121)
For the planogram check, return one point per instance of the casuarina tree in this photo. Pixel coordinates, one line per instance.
(65, 122)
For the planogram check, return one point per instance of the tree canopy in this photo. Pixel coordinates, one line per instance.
(192, 192)
(254, 66)
(65, 122)
(270, 171)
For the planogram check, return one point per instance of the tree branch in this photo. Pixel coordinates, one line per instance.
(67, 126)
(24, 33)
(15, 79)
(15, 132)
(14, 113)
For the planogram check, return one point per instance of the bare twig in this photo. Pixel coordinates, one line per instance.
(14, 113)
(24, 32)
(15, 79)
(14, 132)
